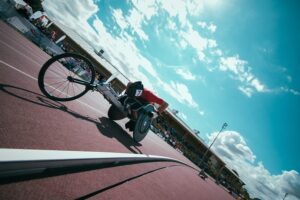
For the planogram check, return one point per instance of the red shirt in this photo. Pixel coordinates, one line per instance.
(147, 95)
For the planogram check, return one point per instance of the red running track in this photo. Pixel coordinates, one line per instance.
(31, 121)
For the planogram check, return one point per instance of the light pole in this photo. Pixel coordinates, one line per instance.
(207, 150)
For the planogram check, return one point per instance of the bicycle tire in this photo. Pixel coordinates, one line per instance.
(65, 66)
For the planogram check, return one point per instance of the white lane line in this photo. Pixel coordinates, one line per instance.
(19, 52)
(18, 70)
(1, 61)
(28, 49)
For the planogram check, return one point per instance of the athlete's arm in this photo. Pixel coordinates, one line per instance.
(152, 98)
(162, 107)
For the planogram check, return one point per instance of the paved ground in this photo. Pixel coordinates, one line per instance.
(31, 121)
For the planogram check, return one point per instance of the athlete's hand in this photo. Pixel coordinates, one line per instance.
(162, 107)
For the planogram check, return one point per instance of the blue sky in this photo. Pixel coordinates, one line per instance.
(213, 61)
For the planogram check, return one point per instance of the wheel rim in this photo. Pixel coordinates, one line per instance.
(60, 74)
(145, 125)
(142, 127)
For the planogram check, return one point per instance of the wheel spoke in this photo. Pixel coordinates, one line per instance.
(55, 83)
(73, 89)
(55, 89)
(62, 92)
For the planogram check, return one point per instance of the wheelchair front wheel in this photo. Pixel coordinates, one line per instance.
(66, 77)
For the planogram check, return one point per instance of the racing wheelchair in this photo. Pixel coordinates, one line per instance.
(69, 76)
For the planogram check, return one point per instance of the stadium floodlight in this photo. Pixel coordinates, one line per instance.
(201, 173)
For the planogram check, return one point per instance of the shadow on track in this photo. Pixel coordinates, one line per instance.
(122, 182)
(111, 129)
(105, 126)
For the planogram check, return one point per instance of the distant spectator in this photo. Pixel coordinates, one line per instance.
(99, 78)
(52, 35)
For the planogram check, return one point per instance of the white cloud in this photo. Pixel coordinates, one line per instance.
(194, 7)
(149, 8)
(172, 25)
(234, 145)
(249, 83)
(214, 4)
(120, 20)
(196, 41)
(183, 44)
(202, 24)
(140, 14)
(180, 92)
(233, 64)
(186, 74)
(294, 92)
(286, 90)
(246, 90)
(67, 12)
(175, 8)
(212, 43)
(233, 149)
(182, 116)
(242, 72)
(217, 52)
(212, 28)
(201, 112)
(183, 9)
(135, 20)
(257, 85)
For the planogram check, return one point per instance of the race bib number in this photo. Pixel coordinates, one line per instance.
(138, 93)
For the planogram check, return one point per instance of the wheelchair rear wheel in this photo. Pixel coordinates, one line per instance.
(142, 127)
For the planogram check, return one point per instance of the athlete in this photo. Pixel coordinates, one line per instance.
(137, 90)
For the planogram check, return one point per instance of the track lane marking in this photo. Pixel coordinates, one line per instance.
(20, 71)
(19, 52)
(26, 48)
